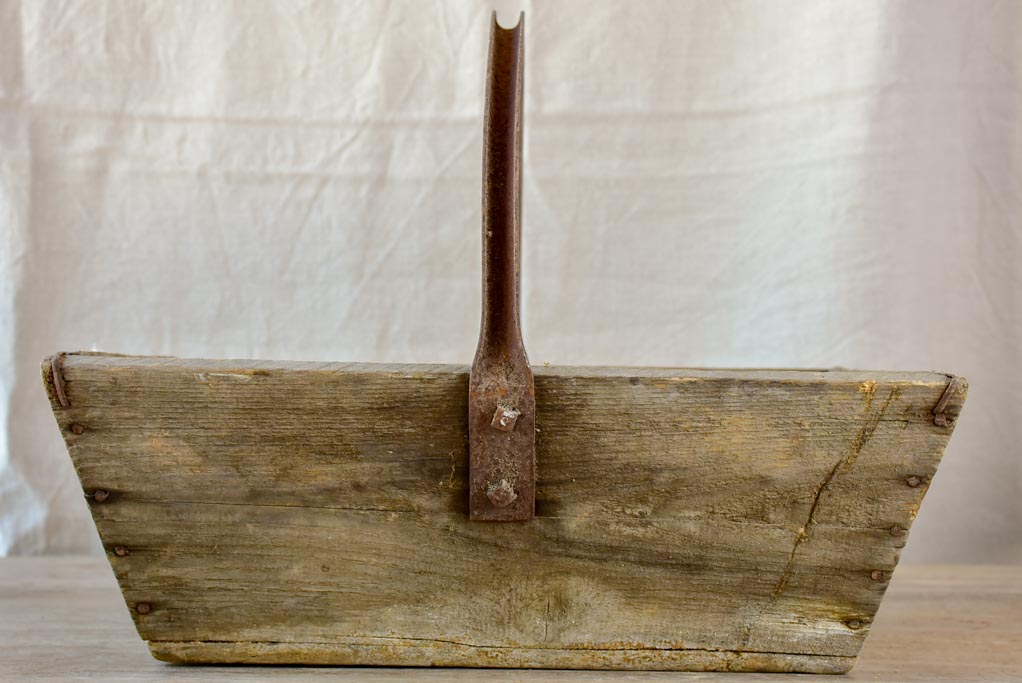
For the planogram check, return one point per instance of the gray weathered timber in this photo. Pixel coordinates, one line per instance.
(279, 512)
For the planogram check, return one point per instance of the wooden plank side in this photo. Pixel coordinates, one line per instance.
(431, 577)
(553, 584)
(264, 507)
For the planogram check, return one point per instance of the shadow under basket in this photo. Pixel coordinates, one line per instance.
(316, 513)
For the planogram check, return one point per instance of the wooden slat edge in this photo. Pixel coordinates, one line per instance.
(101, 359)
(403, 652)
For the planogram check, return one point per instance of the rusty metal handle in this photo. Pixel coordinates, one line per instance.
(502, 397)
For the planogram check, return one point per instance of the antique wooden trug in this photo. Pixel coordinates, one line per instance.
(620, 518)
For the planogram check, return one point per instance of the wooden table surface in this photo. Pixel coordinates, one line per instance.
(63, 619)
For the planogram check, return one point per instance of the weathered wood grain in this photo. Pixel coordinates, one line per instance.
(937, 624)
(316, 513)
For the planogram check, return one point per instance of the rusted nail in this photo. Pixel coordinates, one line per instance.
(78, 428)
(57, 371)
(504, 418)
(99, 495)
(914, 481)
(954, 385)
(898, 532)
(880, 575)
(120, 551)
(143, 608)
(854, 624)
(501, 493)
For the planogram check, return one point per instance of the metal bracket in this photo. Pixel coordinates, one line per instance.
(502, 394)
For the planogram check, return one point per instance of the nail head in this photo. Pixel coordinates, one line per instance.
(78, 428)
(501, 493)
(143, 608)
(100, 495)
(504, 418)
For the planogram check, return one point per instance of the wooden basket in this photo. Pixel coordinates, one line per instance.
(275, 512)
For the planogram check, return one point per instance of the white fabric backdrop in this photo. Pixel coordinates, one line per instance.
(718, 183)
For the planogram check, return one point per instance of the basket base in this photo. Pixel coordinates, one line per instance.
(402, 652)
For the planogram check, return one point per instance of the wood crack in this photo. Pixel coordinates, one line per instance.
(843, 465)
